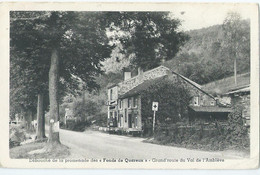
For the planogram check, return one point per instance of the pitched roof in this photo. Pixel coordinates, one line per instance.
(210, 109)
(141, 87)
(240, 90)
(147, 83)
(225, 85)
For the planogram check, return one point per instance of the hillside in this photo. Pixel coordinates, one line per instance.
(205, 57)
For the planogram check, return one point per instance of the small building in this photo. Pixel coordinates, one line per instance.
(124, 99)
(233, 95)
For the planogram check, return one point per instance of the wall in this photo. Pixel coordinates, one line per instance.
(114, 93)
(204, 99)
(124, 118)
(133, 82)
(243, 100)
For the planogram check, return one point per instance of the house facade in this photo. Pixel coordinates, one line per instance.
(124, 99)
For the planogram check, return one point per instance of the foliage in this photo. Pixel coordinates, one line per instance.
(147, 38)
(95, 102)
(236, 132)
(216, 136)
(173, 99)
(76, 42)
(79, 36)
(75, 125)
(206, 56)
(84, 108)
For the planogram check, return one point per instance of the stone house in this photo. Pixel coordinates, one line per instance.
(233, 95)
(124, 99)
(240, 96)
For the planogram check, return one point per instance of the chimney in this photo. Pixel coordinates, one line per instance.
(127, 74)
(140, 71)
(163, 60)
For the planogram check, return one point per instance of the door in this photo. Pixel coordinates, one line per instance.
(129, 120)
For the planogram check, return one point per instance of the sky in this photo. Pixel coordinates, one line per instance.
(198, 16)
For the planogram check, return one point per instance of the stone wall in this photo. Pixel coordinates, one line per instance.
(129, 84)
(204, 98)
(243, 100)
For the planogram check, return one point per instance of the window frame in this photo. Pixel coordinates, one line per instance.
(129, 102)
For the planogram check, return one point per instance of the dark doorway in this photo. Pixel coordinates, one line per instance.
(129, 120)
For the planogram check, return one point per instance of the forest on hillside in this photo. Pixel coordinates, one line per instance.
(205, 57)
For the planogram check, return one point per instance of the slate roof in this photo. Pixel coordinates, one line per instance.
(141, 87)
(136, 90)
(210, 109)
(225, 85)
(240, 90)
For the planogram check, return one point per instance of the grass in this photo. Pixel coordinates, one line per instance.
(22, 152)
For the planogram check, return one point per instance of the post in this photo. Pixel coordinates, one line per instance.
(235, 70)
(154, 120)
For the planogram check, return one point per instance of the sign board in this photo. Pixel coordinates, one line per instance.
(155, 106)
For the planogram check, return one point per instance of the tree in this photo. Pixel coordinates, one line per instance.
(147, 38)
(235, 38)
(71, 46)
(74, 43)
(28, 73)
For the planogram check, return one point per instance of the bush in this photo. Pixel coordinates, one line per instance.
(234, 134)
(75, 125)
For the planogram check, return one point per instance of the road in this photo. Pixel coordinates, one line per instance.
(102, 145)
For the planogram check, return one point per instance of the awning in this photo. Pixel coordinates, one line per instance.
(210, 109)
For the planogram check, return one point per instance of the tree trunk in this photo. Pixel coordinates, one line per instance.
(235, 70)
(53, 95)
(29, 119)
(40, 118)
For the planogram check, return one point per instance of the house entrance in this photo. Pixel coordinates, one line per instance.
(129, 120)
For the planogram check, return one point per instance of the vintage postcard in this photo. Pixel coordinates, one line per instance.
(129, 85)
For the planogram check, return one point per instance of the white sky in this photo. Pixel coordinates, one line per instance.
(199, 16)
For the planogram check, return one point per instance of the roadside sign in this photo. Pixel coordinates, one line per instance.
(155, 106)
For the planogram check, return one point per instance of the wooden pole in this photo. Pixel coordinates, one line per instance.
(153, 120)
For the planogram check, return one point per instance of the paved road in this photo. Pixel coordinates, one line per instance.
(101, 145)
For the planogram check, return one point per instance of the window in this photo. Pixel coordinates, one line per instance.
(135, 101)
(120, 104)
(196, 101)
(212, 103)
(119, 120)
(129, 102)
(111, 93)
(125, 115)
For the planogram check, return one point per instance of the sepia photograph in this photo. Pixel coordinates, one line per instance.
(167, 87)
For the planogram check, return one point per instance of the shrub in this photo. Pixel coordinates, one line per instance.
(215, 137)
(75, 125)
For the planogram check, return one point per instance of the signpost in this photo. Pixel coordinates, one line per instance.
(154, 108)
